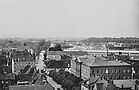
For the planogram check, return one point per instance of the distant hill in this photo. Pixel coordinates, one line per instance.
(127, 43)
(62, 39)
(118, 40)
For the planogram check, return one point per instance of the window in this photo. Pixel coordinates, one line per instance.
(128, 70)
(104, 71)
(101, 71)
(112, 71)
(107, 71)
(97, 71)
(120, 71)
(111, 78)
(129, 77)
(124, 71)
(116, 71)
(124, 77)
(105, 77)
(116, 77)
(93, 71)
(120, 77)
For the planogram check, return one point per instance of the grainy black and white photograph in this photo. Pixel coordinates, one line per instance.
(69, 44)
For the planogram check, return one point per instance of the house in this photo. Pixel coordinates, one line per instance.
(20, 59)
(110, 70)
(74, 55)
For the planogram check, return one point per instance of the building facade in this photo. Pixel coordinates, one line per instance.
(109, 70)
(57, 59)
(113, 72)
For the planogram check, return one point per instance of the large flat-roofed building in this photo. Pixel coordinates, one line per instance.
(110, 70)
(20, 59)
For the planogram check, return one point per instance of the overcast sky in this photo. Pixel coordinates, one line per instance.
(69, 18)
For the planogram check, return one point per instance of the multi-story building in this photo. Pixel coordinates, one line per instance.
(108, 69)
(73, 66)
(20, 59)
(57, 59)
(74, 55)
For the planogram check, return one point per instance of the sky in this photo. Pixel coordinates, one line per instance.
(69, 18)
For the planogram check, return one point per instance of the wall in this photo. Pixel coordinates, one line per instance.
(113, 72)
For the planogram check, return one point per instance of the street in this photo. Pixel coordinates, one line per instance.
(40, 65)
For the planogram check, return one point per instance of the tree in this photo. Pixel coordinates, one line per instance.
(42, 45)
(56, 48)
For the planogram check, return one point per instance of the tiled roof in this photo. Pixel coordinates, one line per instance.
(56, 64)
(23, 57)
(87, 60)
(125, 83)
(100, 61)
(94, 79)
(55, 52)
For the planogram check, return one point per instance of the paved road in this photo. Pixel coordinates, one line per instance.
(40, 63)
(40, 66)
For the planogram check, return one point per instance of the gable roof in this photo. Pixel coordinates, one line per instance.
(100, 61)
(23, 56)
